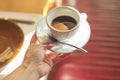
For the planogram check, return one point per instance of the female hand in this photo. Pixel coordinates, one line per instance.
(35, 56)
(35, 64)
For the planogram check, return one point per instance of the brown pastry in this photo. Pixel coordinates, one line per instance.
(11, 40)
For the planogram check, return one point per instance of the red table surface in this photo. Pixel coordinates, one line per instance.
(103, 60)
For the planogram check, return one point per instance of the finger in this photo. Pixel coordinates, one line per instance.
(48, 46)
(52, 55)
(45, 66)
(35, 51)
(34, 39)
(48, 60)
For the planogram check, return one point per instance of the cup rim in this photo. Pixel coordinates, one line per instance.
(68, 7)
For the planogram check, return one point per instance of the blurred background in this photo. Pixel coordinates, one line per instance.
(29, 6)
(103, 60)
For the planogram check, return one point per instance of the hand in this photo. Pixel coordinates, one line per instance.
(35, 63)
(35, 56)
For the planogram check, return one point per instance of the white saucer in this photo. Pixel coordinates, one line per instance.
(79, 39)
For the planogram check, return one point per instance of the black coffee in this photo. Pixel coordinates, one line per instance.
(65, 20)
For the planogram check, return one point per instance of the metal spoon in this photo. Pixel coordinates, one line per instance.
(56, 41)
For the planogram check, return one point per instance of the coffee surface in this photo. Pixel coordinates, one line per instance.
(64, 23)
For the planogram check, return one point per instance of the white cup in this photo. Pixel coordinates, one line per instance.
(63, 35)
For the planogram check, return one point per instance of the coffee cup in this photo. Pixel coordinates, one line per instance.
(63, 22)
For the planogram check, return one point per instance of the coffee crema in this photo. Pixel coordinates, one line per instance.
(64, 23)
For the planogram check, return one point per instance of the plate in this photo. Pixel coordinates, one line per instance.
(79, 39)
(11, 40)
(28, 30)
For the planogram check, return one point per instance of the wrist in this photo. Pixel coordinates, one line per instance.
(23, 72)
(30, 71)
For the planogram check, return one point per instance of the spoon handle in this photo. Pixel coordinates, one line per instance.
(81, 49)
(56, 41)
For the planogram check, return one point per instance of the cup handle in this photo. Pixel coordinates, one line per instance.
(83, 16)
